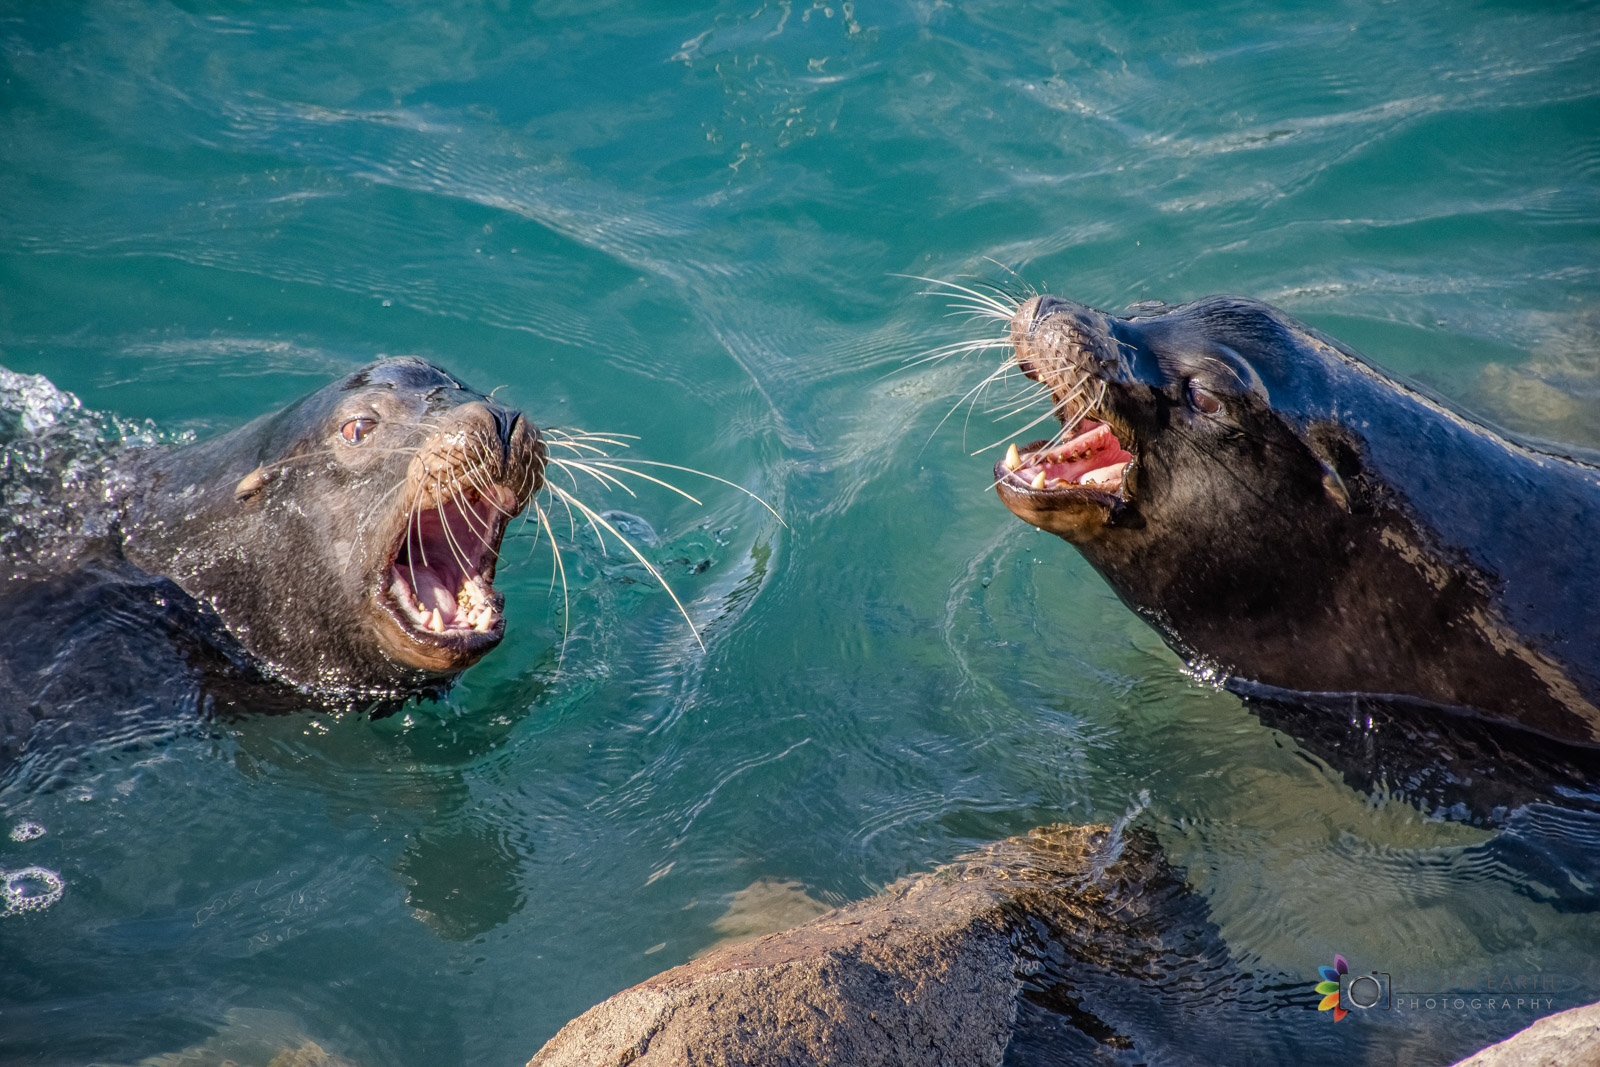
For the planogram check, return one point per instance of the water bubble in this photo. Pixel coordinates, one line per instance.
(26, 831)
(29, 889)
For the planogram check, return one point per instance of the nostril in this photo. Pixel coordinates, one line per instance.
(505, 424)
(1048, 305)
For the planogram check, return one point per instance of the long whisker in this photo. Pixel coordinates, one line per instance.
(1017, 433)
(970, 393)
(600, 476)
(960, 348)
(702, 474)
(566, 603)
(649, 478)
(449, 533)
(959, 309)
(982, 298)
(581, 447)
(596, 518)
(619, 440)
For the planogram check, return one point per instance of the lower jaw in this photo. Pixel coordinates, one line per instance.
(436, 655)
(1077, 515)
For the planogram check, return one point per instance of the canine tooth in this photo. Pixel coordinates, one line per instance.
(436, 622)
(1013, 460)
(1038, 480)
(484, 622)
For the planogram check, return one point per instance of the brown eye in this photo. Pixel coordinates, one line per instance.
(1202, 401)
(355, 430)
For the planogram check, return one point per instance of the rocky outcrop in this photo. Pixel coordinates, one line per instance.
(935, 970)
(1067, 945)
(1566, 1039)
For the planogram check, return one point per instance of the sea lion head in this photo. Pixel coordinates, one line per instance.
(1184, 420)
(350, 541)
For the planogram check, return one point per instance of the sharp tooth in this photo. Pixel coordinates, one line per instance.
(484, 622)
(1038, 480)
(1013, 460)
(436, 622)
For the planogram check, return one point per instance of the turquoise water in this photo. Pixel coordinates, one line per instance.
(690, 224)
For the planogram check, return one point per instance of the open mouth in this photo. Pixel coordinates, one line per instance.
(1093, 458)
(1093, 462)
(439, 582)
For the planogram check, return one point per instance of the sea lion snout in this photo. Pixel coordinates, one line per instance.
(489, 445)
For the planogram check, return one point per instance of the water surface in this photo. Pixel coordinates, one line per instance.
(691, 223)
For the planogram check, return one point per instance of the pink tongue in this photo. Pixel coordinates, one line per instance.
(431, 591)
(1073, 472)
(1097, 446)
(1095, 451)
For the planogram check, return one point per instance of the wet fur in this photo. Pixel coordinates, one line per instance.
(1337, 531)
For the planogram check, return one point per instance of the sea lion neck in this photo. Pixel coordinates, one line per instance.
(350, 540)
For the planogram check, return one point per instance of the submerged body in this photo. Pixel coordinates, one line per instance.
(345, 545)
(1292, 518)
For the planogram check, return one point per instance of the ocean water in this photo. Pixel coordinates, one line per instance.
(693, 224)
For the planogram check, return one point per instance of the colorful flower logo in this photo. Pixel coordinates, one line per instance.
(1329, 986)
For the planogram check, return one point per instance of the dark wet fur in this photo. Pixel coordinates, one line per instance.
(193, 601)
(106, 657)
(1338, 532)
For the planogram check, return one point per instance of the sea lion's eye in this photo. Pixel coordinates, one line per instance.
(1203, 402)
(355, 430)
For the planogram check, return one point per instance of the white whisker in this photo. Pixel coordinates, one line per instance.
(594, 518)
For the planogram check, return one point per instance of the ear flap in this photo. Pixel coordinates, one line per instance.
(1333, 485)
(1339, 461)
(253, 483)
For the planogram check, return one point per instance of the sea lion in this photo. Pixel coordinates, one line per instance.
(349, 541)
(1296, 521)
(345, 545)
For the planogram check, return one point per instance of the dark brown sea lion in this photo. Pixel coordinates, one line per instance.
(346, 545)
(1293, 519)
(350, 540)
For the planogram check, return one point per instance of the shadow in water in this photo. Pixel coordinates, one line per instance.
(1123, 964)
(106, 661)
(1541, 795)
(1131, 969)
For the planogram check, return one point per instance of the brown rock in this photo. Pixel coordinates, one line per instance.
(1566, 1039)
(926, 973)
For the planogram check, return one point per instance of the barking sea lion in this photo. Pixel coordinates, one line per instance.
(1293, 519)
(346, 545)
(350, 540)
